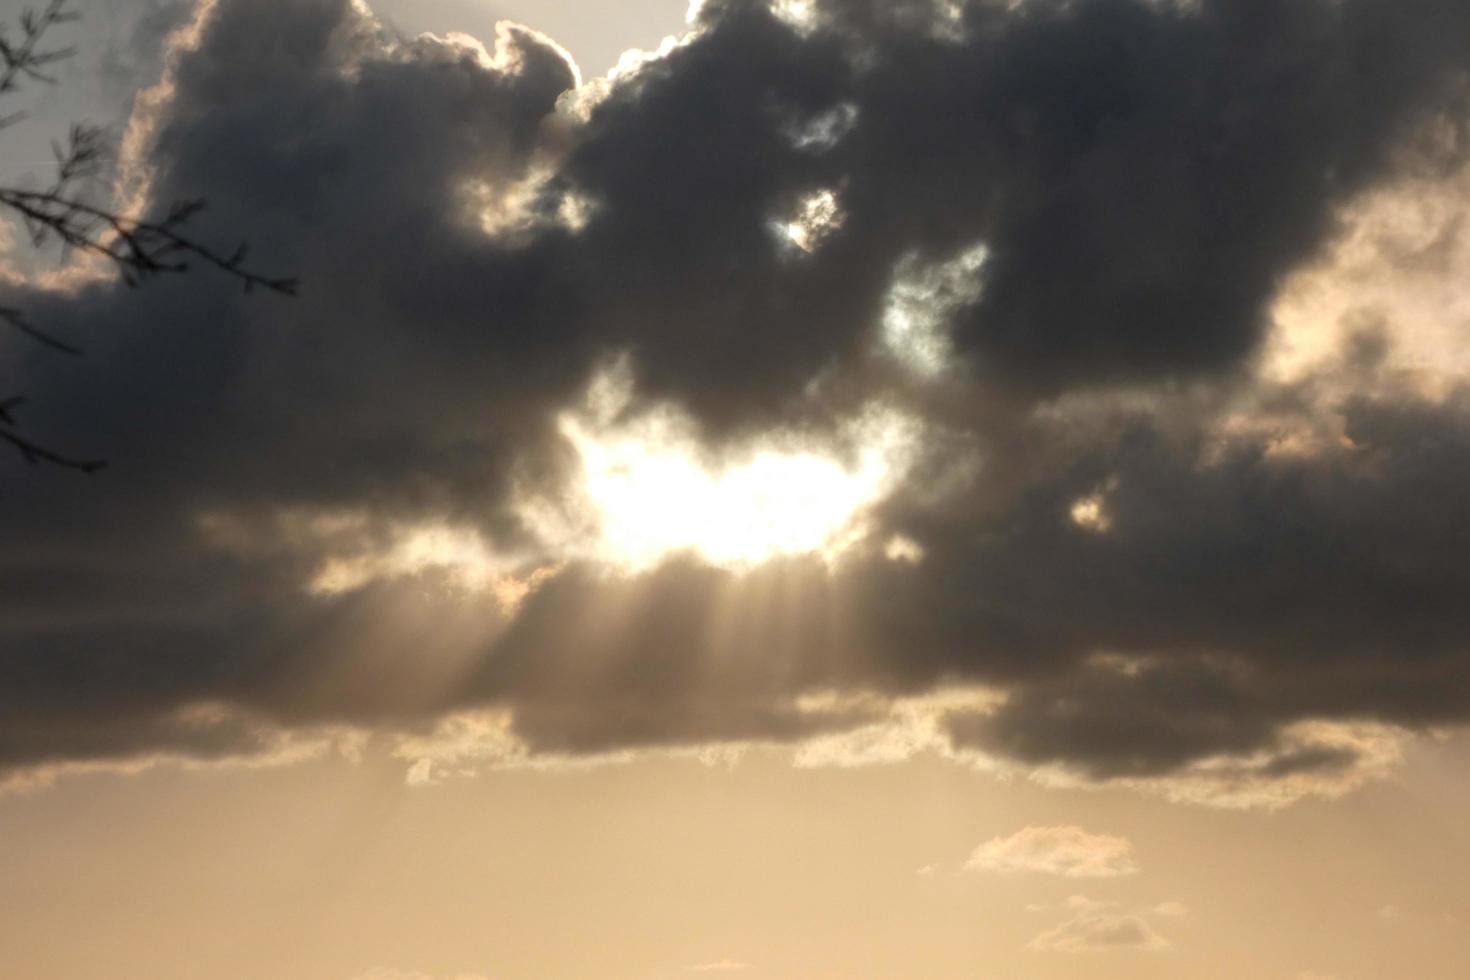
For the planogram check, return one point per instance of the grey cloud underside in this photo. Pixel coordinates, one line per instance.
(1144, 175)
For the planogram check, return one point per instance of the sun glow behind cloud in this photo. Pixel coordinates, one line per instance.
(643, 489)
(648, 491)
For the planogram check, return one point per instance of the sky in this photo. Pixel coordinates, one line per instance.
(759, 488)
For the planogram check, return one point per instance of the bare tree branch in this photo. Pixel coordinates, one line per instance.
(24, 58)
(34, 453)
(16, 319)
(139, 249)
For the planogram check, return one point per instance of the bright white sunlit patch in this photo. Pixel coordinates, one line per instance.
(920, 303)
(1088, 512)
(825, 130)
(817, 216)
(1091, 511)
(648, 490)
(904, 549)
(799, 15)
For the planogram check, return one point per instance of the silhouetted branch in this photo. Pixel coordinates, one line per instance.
(24, 58)
(140, 249)
(16, 319)
(34, 453)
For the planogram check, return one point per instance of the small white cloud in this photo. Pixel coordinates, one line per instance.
(1091, 512)
(719, 966)
(421, 773)
(1389, 913)
(818, 215)
(1067, 851)
(823, 131)
(1172, 910)
(1097, 926)
(927, 871)
(900, 548)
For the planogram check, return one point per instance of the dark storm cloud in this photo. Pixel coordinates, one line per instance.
(1144, 176)
(345, 162)
(341, 158)
(1144, 173)
(1222, 604)
(1223, 600)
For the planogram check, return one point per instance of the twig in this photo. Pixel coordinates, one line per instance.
(34, 453)
(17, 320)
(140, 249)
(24, 59)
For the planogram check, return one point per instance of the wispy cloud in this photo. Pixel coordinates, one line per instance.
(1099, 926)
(1067, 851)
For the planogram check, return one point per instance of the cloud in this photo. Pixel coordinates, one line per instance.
(1180, 479)
(1099, 927)
(719, 966)
(1067, 851)
(199, 736)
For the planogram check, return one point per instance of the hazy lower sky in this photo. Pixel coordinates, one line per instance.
(864, 490)
(331, 870)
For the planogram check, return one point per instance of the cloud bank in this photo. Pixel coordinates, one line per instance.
(1166, 471)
